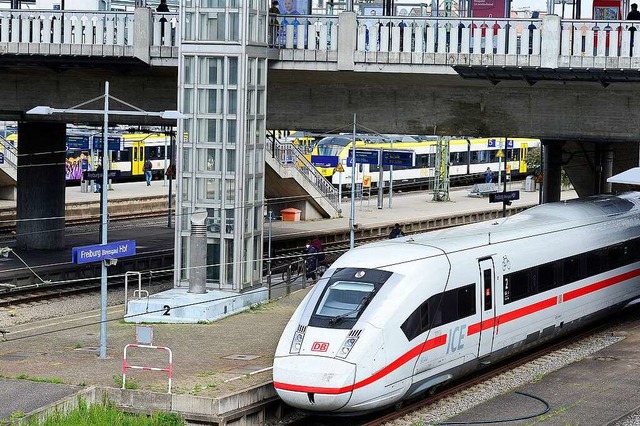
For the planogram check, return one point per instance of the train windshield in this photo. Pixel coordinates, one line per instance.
(332, 145)
(345, 300)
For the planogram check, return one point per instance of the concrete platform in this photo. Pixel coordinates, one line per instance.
(178, 306)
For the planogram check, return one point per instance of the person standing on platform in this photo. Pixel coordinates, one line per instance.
(146, 168)
(98, 181)
(634, 15)
(162, 7)
(488, 175)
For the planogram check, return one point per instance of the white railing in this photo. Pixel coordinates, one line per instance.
(39, 28)
(450, 35)
(304, 32)
(604, 39)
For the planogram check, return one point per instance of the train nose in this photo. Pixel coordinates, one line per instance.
(313, 383)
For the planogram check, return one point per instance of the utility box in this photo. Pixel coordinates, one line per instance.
(530, 184)
(290, 215)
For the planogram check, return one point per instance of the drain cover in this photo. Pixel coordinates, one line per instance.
(240, 357)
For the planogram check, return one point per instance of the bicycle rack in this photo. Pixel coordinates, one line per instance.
(139, 291)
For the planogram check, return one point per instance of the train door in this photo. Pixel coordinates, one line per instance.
(137, 157)
(487, 307)
(524, 153)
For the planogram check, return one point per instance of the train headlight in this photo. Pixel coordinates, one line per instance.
(346, 347)
(298, 337)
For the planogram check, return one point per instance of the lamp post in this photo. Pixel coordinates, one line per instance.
(46, 110)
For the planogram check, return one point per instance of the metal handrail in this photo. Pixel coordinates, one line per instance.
(289, 155)
(10, 153)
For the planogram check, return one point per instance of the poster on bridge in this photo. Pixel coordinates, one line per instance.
(489, 8)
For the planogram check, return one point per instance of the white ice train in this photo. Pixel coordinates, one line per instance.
(392, 319)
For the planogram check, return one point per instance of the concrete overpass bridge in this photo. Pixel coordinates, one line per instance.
(573, 84)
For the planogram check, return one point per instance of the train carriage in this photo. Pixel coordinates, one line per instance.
(393, 319)
(468, 159)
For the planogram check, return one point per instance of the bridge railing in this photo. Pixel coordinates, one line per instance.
(309, 32)
(600, 39)
(39, 28)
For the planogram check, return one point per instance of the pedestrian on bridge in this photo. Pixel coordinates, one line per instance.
(634, 15)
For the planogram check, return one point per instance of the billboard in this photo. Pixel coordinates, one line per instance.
(489, 9)
(294, 7)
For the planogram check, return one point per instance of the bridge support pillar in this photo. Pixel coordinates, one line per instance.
(552, 171)
(41, 186)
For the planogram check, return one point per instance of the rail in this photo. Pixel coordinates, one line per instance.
(288, 155)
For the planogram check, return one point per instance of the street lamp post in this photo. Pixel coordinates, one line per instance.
(46, 110)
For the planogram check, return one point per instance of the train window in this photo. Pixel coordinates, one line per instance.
(475, 157)
(596, 262)
(516, 286)
(345, 299)
(616, 255)
(547, 278)
(487, 279)
(571, 269)
(466, 301)
(412, 327)
(458, 158)
(422, 161)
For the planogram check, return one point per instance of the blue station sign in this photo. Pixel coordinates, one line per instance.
(99, 252)
(77, 142)
(398, 158)
(324, 160)
(364, 156)
(503, 197)
(115, 143)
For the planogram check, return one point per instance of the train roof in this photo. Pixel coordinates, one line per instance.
(537, 220)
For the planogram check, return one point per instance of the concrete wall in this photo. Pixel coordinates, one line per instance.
(450, 105)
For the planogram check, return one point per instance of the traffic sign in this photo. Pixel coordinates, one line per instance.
(398, 158)
(499, 154)
(364, 156)
(339, 168)
(324, 160)
(98, 252)
(500, 197)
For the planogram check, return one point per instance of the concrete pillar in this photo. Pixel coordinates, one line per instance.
(347, 34)
(41, 186)
(142, 35)
(552, 171)
(198, 253)
(607, 168)
(550, 48)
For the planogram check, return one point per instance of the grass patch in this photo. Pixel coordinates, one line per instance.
(40, 379)
(132, 384)
(107, 415)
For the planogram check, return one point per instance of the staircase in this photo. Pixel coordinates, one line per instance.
(295, 182)
(8, 170)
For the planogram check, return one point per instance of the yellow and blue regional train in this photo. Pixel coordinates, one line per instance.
(135, 149)
(468, 159)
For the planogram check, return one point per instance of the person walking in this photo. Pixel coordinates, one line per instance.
(146, 168)
(311, 261)
(633, 15)
(396, 232)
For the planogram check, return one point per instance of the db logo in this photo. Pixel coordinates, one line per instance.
(319, 346)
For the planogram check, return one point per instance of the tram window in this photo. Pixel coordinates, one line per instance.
(547, 278)
(571, 269)
(475, 157)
